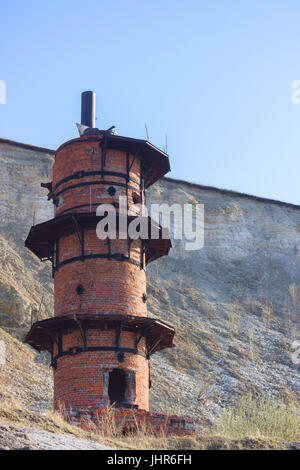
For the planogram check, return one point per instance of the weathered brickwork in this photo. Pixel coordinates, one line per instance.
(127, 421)
(100, 338)
(110, 286)
(79, 379)
(82, 155)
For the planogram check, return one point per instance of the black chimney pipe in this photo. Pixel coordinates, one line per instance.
(88, 108)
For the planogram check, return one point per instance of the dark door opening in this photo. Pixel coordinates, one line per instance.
(117, 386)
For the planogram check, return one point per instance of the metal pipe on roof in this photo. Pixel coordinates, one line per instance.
(88, 108)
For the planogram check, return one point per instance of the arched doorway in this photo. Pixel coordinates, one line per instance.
(117, 386)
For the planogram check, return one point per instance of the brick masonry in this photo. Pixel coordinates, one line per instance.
(87, 156)
(81, 381)
(127, 421)
(105, 365)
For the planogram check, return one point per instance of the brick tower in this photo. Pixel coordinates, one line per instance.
(100, 338)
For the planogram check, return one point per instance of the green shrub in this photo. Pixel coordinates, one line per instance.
(260, 416)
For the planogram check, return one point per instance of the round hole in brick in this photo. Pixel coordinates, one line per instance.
(111, 191)
(79, 289)
(121, 356)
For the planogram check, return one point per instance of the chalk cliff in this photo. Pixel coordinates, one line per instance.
(234, 303)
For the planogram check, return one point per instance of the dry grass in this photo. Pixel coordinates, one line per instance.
(139, 434)
(11, 412)
(267, 312)
(261, 416)
(293, 294)
(234, 319)
(142, 437)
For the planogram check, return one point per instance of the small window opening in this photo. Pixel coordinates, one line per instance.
(117, 386)
(136, 198)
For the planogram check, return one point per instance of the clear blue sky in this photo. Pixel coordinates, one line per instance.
(215, 75)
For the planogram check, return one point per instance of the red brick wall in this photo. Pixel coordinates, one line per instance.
(82, 155)
(78, 379)
(122, 420)
(110, 286)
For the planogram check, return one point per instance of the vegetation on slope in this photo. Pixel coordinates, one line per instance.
(260, 416)
(26, 402)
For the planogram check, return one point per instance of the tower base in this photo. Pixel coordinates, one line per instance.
(124, 421)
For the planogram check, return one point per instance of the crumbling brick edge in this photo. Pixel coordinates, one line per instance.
(131, 420)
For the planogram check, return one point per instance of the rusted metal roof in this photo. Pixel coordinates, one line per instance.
(42, 236)
(155, 162)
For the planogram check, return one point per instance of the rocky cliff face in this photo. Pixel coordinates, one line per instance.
(25, 283)
(234, 303)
